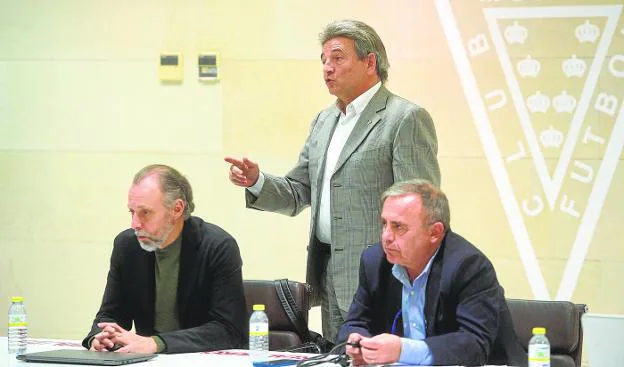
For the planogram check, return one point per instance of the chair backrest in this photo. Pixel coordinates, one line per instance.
(282, 332)
(562, 321)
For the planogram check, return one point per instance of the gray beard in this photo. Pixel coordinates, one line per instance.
(149, 247)
(155, 245)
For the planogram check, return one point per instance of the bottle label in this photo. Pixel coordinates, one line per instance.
(17, 320)
(258, 329)
(539, 355)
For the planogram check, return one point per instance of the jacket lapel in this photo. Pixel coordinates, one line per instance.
(188, 267)
(364, 125)
(432, 295)
(326, 130)
(145, 276)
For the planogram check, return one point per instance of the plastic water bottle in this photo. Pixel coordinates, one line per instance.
(18, 327)
(259, 334)
(539, 348)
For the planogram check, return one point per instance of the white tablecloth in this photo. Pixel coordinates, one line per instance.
(223, 358)
(226, 358)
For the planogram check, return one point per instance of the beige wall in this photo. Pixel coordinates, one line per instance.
(82, 109)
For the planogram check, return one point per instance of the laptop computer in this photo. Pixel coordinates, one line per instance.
(77, 356)
(603, 336)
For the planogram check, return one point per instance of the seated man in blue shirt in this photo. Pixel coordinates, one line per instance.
(427, 296)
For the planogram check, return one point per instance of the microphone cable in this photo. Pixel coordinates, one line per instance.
(341, 359)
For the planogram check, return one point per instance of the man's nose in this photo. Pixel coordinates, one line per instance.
(386, 235)
(327, 68)
(136, 223)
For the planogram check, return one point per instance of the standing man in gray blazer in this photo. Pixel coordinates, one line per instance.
(357, 147)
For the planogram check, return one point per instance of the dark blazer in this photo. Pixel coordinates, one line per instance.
(393, 140)
(466, 315)
(211, 301)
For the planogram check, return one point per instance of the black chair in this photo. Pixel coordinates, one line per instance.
(562, 321)
(282, 333)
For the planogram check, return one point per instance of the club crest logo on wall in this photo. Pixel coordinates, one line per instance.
(545, 83)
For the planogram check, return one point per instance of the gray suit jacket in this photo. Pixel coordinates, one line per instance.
(394, 140)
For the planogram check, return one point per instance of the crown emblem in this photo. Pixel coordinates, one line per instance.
(574, 67)
(564, 102)
(529, 67)
(587, 32)
(551, 138)
(538, 102)
(516, 33)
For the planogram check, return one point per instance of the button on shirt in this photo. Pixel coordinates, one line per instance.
(413, 349)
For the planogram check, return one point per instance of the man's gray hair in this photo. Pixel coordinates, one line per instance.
(172, 183)
(366, 41)
(434, 201)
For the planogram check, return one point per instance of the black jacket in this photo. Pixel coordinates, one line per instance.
(210, 296)
(466, 315)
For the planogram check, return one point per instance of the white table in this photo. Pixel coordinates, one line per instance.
(222, 358)
(226, 358)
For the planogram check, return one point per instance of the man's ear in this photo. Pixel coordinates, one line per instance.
(437, 232)
(178, 208)
(371, 59)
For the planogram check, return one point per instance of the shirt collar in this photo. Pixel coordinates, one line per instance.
(363, 99)
(400, 272)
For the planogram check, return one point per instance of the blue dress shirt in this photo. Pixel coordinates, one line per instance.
(413, 348)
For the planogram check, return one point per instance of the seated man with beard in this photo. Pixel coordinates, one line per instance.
(176, 277)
